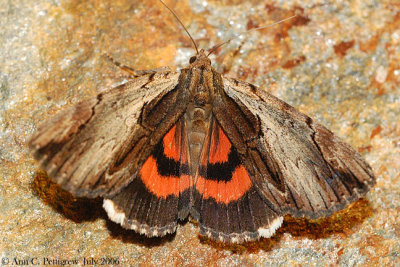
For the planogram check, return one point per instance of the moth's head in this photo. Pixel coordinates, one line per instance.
(200, 60)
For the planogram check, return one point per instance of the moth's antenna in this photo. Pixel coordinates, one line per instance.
(213, 49)
(177, 18)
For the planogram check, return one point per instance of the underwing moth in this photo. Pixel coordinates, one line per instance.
(166, 145)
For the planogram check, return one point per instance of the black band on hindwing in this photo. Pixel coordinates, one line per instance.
(221, 172)
(167, 166)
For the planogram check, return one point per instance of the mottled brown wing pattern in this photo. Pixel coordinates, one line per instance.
(96, 147)
(298, 165)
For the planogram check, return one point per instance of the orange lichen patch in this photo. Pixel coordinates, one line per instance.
(291, 63)
(342, 47)
(375, 246)
(371, 44)
(277, 47)
(364, 148)
(380, 89)
(390, 81)
(159, 185)
(251, 24)
(74, 208)
(393, 66)
(340, 223)
(284, 27)
(397, 228)
(376, 131)
(225, 192)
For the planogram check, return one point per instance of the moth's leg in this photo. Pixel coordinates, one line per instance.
(133, 72)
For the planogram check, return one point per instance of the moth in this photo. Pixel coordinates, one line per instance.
(167, 145)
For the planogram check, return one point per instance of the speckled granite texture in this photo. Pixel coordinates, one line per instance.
(338, 61)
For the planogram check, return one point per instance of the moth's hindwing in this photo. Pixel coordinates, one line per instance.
(151, 204)
(298, 165)
(230, 208)
(96, 147)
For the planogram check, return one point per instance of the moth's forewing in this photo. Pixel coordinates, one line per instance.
(300, 166)
(95, 148)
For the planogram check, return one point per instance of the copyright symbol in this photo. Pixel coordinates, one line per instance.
(5, 261)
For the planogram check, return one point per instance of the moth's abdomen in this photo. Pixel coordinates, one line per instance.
(197, 120)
